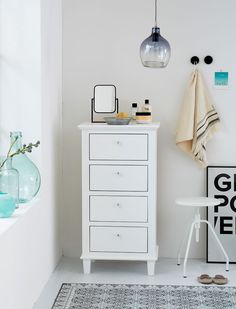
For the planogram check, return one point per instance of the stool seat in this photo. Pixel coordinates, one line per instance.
(197, 201)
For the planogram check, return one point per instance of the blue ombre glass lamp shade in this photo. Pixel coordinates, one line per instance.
(155, 51)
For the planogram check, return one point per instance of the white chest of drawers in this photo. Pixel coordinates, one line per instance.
(119, 171)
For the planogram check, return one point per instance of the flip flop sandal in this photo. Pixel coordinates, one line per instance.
(219, 279)
(205, 279)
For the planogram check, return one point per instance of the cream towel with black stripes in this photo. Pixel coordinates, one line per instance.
(198, 120)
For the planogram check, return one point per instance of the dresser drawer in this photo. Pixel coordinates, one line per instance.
(118, 239)
(118, 208)
(118, 178)
(118, 147)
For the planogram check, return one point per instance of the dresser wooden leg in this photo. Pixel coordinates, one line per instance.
(87, 266)
(151, 268)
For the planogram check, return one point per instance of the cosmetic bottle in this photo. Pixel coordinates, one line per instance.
(134, 109)
(146, 106)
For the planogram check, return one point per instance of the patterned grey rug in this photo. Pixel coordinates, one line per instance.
(130, 296)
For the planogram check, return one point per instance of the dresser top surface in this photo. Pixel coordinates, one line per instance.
(130, 126)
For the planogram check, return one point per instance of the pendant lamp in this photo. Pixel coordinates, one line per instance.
(155, 50)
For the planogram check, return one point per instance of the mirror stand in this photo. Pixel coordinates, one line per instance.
(99, 117)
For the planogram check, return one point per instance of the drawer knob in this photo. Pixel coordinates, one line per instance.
(117, 235)
(118, 204)
(118, 142)
(118, 173)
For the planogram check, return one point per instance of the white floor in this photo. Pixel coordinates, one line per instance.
(167, 272)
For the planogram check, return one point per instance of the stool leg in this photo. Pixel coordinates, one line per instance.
(182, 244)
(188, 247)
(197, 225)
(184, 240)
(219, 243)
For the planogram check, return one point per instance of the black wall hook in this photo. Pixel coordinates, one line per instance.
(194, 60)
(208, 59)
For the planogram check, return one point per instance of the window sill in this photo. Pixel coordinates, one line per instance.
(7, 223)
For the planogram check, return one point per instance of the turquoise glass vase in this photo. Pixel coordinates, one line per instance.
(9, 179)
(7, 205)
(29, 176)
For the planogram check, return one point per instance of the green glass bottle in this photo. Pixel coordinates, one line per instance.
(29, 176)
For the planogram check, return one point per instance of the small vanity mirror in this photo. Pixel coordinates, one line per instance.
(104, 99)
(104, 102)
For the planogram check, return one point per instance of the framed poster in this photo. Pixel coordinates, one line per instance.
(221, 184)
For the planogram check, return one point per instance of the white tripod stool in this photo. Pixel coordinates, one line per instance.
(198, 202)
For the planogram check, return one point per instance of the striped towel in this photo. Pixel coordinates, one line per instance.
(198, 120)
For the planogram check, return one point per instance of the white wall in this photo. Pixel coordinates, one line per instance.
(30, 101)
(20, 71)
(101, 45)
